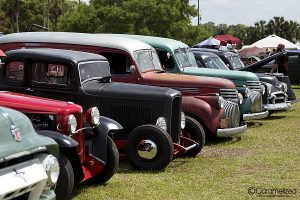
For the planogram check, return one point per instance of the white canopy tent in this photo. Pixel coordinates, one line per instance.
(272, 41)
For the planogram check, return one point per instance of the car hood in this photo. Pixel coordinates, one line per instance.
(239, 78)
(33, 104)
(29, 141)
(259, 64)
(114, 90)
(268, 78)
(180, 81)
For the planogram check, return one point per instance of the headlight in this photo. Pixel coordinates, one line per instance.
(240, 98)
(51, 166)
(161, 122)
(221, 102)
(263, 89)
(72, 124)
(95, 116)
(182, 124)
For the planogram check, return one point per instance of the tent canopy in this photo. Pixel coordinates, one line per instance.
(250, 51)
(226, 38)
(208, 42)
(272, 41)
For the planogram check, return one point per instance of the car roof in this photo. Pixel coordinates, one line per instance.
(87, 39)
(47, 53)
(157, 41)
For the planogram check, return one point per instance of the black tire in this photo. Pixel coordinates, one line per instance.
(111, 165)
(65, 182)
(270, 112)
(159, 137)
(194, 130)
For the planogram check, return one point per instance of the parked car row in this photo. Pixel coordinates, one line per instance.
(117, 96)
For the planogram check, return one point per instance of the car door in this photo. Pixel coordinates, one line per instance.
(51, 79)
(294, 67)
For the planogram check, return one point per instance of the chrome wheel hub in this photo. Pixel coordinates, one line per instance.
(147, 149)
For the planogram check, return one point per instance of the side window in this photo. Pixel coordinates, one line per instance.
(15, 71)
(50, 73)
(293, 59)
(119, 63)
(166, 60)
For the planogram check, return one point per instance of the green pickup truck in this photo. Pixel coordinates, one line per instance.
(29, 167)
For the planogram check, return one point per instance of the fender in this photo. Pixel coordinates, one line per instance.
(67, 146)
(99, 137)
(209, 115)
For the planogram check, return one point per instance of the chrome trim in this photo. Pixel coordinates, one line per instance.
(228, 132)
(277, 106)
(253, 116)
(23, 153)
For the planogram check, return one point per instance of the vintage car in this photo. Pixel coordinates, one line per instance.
(79, 146)
(151, 116)
(274, 99)
(29, 167)
(133, 61)
(177, 58)
(265, 65)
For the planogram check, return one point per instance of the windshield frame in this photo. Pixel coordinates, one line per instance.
(189, 57)
(94, 77)
(156, 64)
(217, 61)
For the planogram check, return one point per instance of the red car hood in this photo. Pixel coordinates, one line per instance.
(205, 84)
(32, 104)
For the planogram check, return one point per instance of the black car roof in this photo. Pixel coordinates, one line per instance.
(57, 54)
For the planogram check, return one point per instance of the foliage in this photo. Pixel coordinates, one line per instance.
(165, 18)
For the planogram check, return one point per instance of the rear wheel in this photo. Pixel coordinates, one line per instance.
(149, 148)
(111, 164)
(194, 130)
(65, 182)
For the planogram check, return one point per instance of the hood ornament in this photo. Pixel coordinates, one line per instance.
(15, 131)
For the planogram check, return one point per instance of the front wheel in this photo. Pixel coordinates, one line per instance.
(149, 148)
(65, 182)
(194, 130)
(111, 164)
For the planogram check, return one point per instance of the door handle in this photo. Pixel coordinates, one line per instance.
(29, 90)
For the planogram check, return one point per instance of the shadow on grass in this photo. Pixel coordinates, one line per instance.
(274, 117)
(209, 141)
(254, 124)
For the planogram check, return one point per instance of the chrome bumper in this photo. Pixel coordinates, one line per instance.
(228, 132)
(252, 116)
(277, 106)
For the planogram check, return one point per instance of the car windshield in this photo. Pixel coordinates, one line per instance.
(236, 62)
(185, 57)
(93, 70)
(215, 63)
(148, 60)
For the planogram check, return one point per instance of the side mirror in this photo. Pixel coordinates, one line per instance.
(132, 69)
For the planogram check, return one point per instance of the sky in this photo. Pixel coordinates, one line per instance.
(232, 12)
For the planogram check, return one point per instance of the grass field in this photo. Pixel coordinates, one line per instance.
(264, 158)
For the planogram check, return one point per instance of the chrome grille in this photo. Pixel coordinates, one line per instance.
(256, 101)
(278, 97)
(232, 112)
(229, 94)
(254, 85)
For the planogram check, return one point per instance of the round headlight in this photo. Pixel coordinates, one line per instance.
(51, 166)
(95, 116)
(241, 98)
(263, 89)
(182, 124)
(247, 92)
(161, 122)
(221, 102)
(72, 124)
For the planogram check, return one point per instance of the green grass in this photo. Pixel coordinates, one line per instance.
(267, 156)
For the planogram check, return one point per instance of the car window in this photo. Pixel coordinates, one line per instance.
(148, 60)
(50, 73)
(185, 57)
(293, 59)
(15, 71)
(93, 70)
